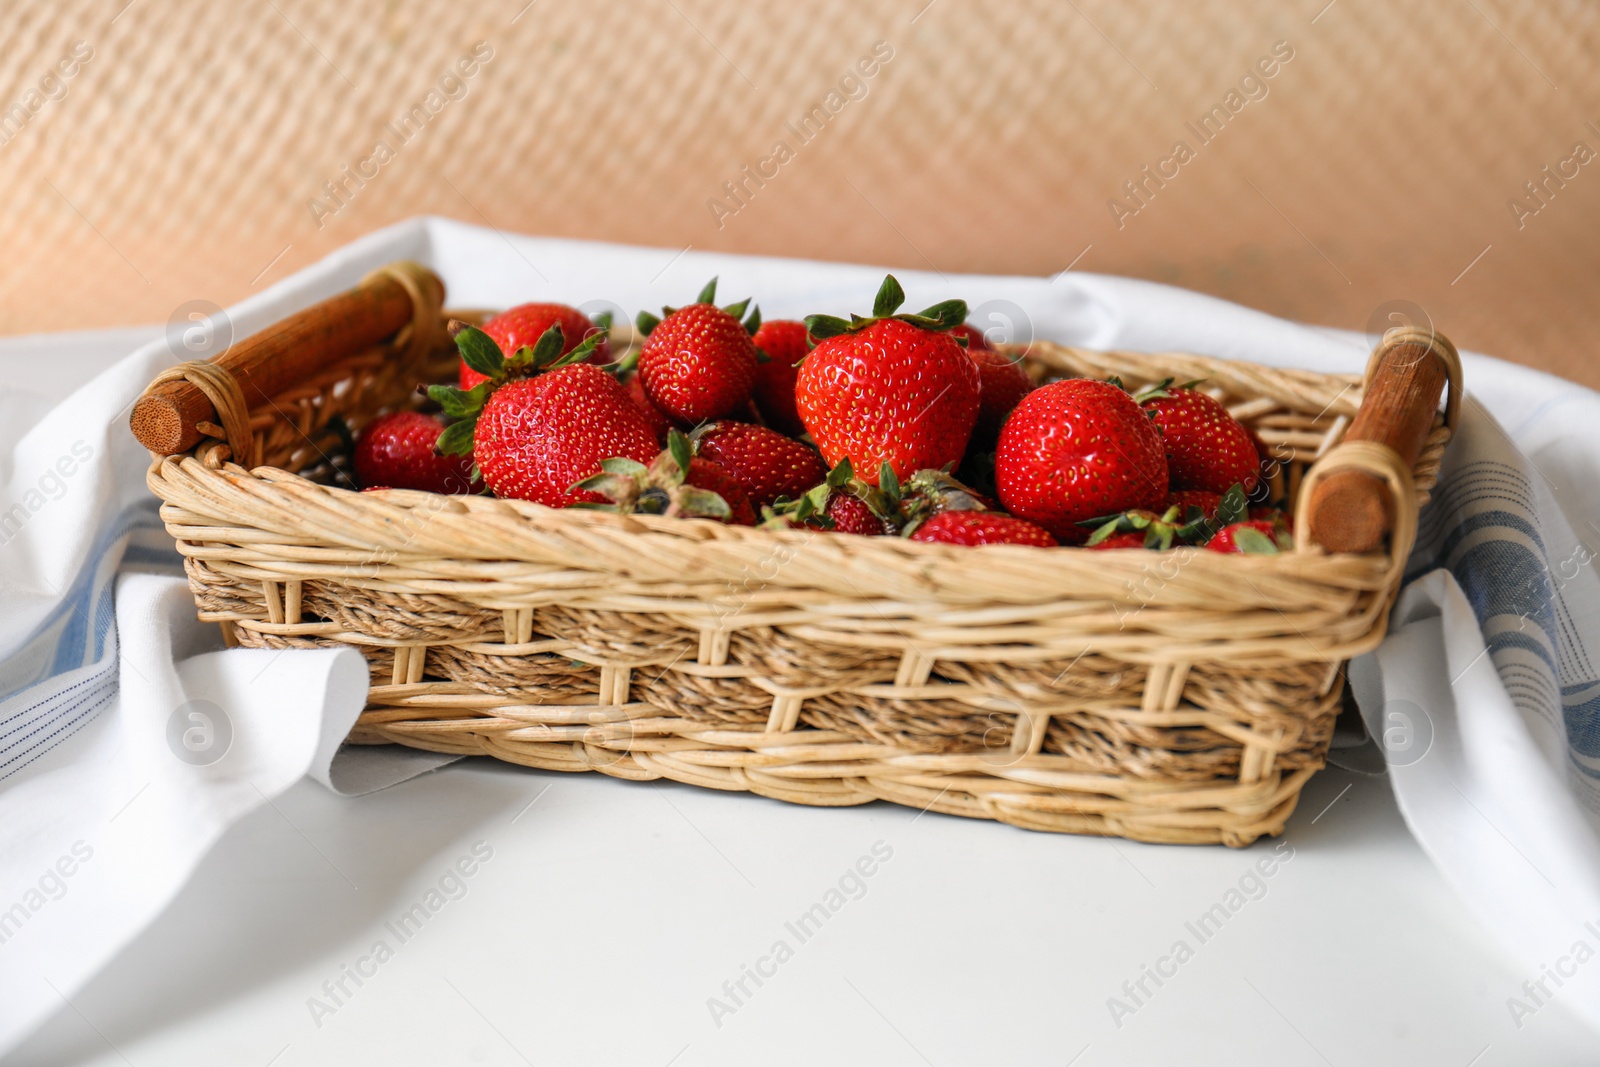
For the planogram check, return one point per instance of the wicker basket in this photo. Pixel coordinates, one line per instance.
(1182, 696)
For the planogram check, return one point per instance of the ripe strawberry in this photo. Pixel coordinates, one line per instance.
(542, 420)
(539, 436)
(892, 389)
(1077, 449)
(698, 363)
(1206, 447)
(676, 484)
(1271, 460)
(1252, 537)
(981, 528)
(1184, 499)
(850, 514)
(840, 502)
(1131, 539)
(765, 463)
(846, 503)
(1002, 385)
(1262, 450)
(785, 344)
(659, 423)
(395, 451)
(713, 477)
(524, 324)
(1276, 516)
(1161, 532)
(975, 339)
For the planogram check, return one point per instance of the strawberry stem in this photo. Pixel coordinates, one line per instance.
(942, 316)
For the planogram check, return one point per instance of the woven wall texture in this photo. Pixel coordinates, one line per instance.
(1384, 156)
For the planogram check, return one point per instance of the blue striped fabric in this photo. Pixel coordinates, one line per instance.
(67, 671)
(1495, 527)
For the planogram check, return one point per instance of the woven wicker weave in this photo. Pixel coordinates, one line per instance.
(1183, 696)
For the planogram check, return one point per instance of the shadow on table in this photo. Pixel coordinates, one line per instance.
(272, 895)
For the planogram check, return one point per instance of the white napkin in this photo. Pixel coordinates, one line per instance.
(1486, 699)
(113, 757)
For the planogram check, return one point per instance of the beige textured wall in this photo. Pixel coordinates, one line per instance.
(178, 161)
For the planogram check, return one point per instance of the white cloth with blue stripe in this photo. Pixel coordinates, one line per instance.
(128, 742)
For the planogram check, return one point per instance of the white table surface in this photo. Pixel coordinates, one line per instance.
(609, 912)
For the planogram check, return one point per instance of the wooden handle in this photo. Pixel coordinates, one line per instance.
(166, 419)
(1351, 510)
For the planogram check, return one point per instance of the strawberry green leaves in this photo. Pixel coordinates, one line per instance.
(620, 479)
(646, 322)
(480, 352)
(889, 482)
(679, 449)
(1234, 507)
(662, 488)
(456, 440)
(942, 316)
(1161, 390)
(1161, 532)
(901, 506)
(812, 505)
(460, 404)
(890, 297)
(1253, 542)
(478, 349)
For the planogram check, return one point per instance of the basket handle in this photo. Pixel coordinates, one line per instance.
(1349, 500)
(186, 404)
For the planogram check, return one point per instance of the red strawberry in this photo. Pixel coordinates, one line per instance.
(840, 502)
(1252, 537)
(699, 363)
(1078, 449)
(542, 421)
(853, 506)
(785, 344)
(713, 477)
(1260, 446)
(767, 464)
(976, 341)
(981, 528)
(1131, 539)
(539, 436)
(675, 484)
(892, 389)
(659, 423)
(1158, 532)
(1184, 499)
(396, 451)
(1275, 516)
(1002, 385)
(1206, 447)
(850, 514)
(526, 323)
(1267, 466)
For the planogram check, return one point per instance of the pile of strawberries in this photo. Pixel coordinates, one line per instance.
(897, 424)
